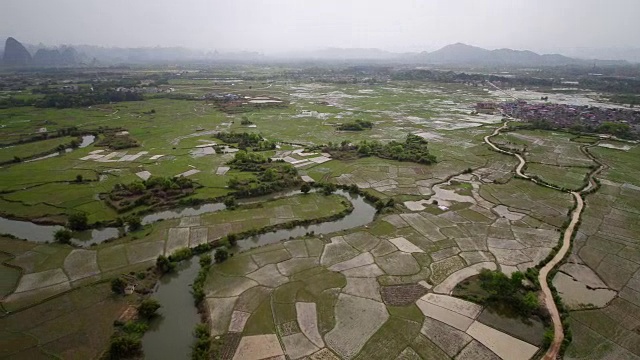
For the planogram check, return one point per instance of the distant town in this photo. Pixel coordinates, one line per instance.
(624, 123)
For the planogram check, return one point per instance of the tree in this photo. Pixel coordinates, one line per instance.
(328, 188)
(205, 260)
(221, 255)
(148, 308)
(232, 239)
(305, 188)
(122, 347)
(78, 221)
(230, 202)
(134, 222)
(79, 178)
(118, 285)
(164, 265)
(63, 236)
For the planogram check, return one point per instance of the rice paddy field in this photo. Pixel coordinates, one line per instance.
(378, 291)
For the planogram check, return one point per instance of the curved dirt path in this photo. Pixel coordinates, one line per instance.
(558, 331)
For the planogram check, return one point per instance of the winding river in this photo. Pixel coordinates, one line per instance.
(171, 336)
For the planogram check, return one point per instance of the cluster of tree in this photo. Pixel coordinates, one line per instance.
(201, 349)
(118, 142)
(139, 187)
(358, 125)
(246, 141)
(153, 191)
(414, 149)
(245, 121)
(85, 98)
(126, 342)
(620, 130)
(630, 99)
(509, 292)
(271, 176)
(12, 102)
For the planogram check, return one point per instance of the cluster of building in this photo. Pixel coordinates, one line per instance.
(563, 115)
(145, 89)
(221, 97)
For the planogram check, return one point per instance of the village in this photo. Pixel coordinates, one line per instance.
(582, 117)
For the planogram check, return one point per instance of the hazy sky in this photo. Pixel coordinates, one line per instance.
(277, 25)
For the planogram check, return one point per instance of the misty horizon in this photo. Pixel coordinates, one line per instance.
(284, 26)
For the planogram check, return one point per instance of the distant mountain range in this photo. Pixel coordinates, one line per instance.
(462, 54)
(16, 54)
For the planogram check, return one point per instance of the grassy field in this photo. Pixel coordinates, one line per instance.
(75, 325)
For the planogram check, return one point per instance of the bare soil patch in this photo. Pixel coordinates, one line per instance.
(220, 311)
(258, 347)
(80, 264)
(449, 339)
(308, 322)
(398, 263)
(357, 319)
(297, 346)
(41, 280)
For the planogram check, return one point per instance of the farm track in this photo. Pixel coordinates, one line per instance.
(558, 331)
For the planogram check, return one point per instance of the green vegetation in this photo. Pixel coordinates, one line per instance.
(148, 308)
(414, 149)
(116, 141)
(247, 141)
(202, 345)
(78, 221)
(358, 125)
(156, 192)
(85, 98)
(506, 294)
(221, 255)
(269, 176)
(63, 236)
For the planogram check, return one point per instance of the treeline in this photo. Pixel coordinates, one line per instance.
(620, 130)
(246, 141)
(358, 125)
(414, 149)
(84, 99)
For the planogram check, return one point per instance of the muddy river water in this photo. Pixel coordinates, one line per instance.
(171, 336)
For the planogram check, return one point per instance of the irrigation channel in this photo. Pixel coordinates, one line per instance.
(558, 331)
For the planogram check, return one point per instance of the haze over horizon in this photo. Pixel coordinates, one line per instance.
(291, 25)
